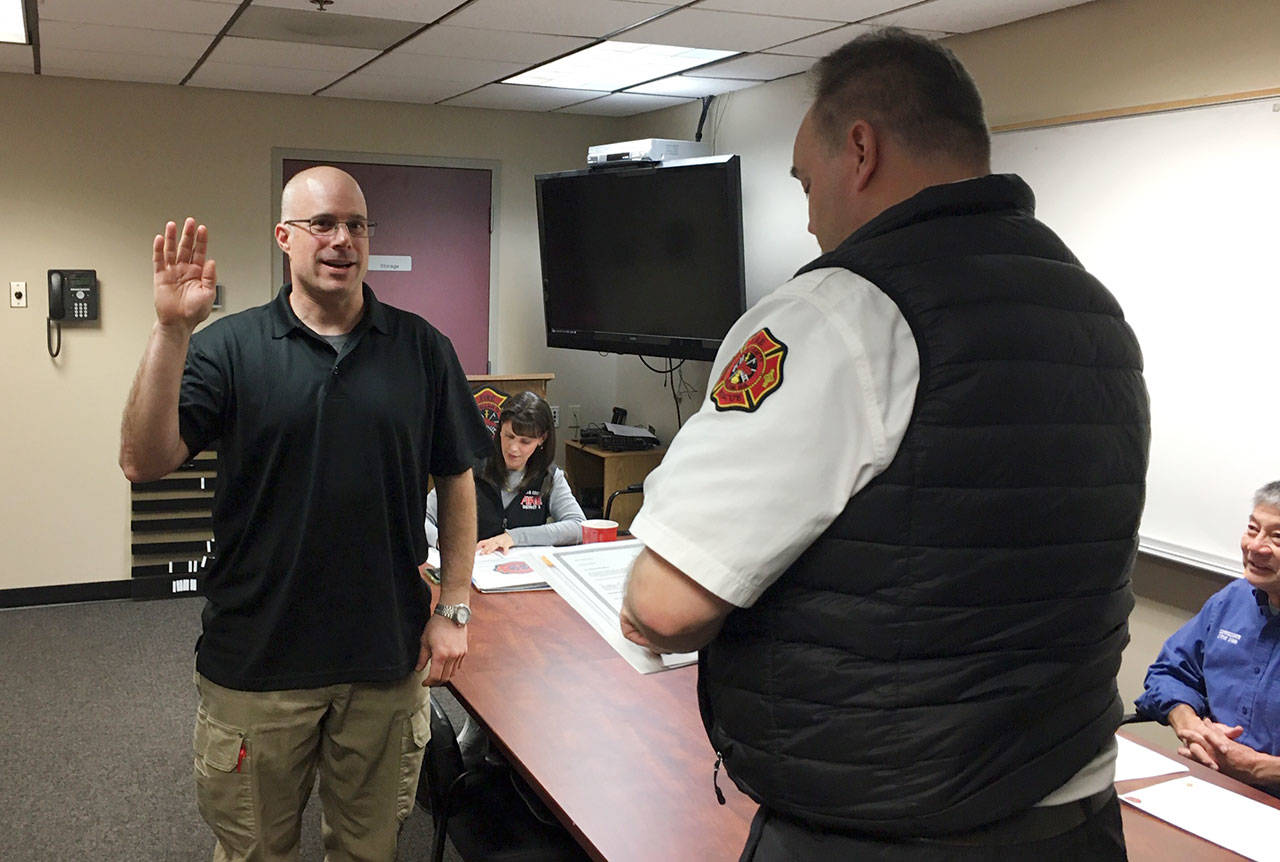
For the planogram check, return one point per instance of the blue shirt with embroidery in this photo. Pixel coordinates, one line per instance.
(1224, 663)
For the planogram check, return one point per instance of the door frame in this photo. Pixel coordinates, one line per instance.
(494, 167)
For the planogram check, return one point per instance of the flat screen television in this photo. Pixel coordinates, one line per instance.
(643, 259)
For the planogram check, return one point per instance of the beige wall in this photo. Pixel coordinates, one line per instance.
(89, 172)
(1100, 56)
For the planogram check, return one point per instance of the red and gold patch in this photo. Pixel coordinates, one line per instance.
(751, 375)
(490, 402)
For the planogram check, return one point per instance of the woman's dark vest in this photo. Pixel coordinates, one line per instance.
(945, 653)
(528, 509)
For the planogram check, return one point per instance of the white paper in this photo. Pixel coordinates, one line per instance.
(518, 569)
(591, 578)
(1138, 761)
(628, 430)
(1215, 814)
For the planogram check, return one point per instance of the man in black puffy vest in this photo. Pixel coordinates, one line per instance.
(901, 527)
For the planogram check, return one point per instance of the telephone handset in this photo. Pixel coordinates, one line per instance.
(73, 297)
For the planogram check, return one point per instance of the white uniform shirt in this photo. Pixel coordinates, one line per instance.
(742, 493)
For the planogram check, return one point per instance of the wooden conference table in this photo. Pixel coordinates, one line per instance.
(621, 757)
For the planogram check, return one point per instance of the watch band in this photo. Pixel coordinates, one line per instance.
(459, 614)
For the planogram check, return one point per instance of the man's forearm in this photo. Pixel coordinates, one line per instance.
(456, 510)
(671, 610)
(150, 445)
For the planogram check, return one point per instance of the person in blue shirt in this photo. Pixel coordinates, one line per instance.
(1217, 678)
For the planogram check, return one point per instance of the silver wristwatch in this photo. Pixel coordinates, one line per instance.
(459, 614)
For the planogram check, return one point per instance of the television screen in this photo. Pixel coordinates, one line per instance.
(644, 259)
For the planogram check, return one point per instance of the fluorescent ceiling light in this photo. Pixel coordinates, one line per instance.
(616, 66)
(13, 24)
(684, 85)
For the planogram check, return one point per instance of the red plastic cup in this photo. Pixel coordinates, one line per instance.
(599, 530)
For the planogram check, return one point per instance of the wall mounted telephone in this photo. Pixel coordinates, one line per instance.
(73, 297)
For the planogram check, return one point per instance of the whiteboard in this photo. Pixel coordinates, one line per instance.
(1178, 213)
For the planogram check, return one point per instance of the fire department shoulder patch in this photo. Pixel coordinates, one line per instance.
(490, 401)
(751, 375)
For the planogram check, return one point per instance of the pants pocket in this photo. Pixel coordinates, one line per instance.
(417, 732)
(224, 784)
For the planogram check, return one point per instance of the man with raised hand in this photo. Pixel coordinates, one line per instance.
(329, 411)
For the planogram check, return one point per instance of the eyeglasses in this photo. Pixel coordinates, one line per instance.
(327, 226)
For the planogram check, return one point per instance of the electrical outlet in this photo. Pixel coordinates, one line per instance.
(17, 294)
(574, 410)
(555, 415)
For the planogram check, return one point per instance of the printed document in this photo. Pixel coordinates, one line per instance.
(517, 569)
(591, 578)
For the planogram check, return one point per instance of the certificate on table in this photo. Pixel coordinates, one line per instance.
(591, 578)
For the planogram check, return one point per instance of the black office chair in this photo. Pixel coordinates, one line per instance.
(482, 805)
(633, 488)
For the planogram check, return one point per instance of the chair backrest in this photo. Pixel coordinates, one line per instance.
(442, 762)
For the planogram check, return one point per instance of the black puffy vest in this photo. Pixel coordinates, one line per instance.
(945, 653)
(528, 509)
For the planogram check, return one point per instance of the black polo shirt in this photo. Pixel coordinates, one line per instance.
(322, 487)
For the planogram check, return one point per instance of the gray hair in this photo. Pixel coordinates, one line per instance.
(1268, 495)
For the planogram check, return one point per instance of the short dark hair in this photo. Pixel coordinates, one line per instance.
(530, 416)
(911, 87)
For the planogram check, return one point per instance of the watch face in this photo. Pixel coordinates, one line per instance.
(462, 615)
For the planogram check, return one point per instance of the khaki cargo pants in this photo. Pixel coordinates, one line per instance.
(257, 754)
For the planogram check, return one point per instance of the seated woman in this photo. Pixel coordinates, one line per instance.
(1215, 681)
(522, 498)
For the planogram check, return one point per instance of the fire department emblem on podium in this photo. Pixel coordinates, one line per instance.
(490, 402)
(751, 375)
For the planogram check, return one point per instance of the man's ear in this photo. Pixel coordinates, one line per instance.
(862, 147)
(282, 237)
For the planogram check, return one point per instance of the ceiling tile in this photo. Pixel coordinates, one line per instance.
(122, 40)
(515, 97)
(421, 11)
(758, 67)
(16, 58)
(623, 105)
(528, 48)
(445, 68)
(728, 31)
(323, 28)
(264, 79)
(563, 17)
(181, 16)
(828, 10)
(822, 44)
(108, 66)
(289, 55)
(685, 85)
(966, 16)
(364, 85)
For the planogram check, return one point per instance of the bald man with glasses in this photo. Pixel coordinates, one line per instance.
(329, 411)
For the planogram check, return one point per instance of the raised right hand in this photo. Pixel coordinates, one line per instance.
(184, 280)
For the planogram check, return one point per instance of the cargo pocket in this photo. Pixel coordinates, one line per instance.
(417, 732)
(224, 783)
